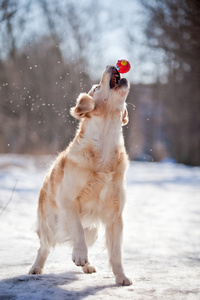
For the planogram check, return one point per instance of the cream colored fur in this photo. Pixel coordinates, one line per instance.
(86, 184)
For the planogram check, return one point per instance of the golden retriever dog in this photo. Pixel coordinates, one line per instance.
(86, 184)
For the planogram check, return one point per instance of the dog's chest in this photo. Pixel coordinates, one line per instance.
(93, 207)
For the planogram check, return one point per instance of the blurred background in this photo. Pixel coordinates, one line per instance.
(50, 51)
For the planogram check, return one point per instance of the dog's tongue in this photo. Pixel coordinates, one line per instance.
(114, 79)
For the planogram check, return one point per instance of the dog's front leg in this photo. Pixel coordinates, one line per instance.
(114, 241)
(74, 227)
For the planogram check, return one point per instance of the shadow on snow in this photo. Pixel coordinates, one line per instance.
(45, 287)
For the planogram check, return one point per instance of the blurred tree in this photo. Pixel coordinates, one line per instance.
(38, 83)
(48, 50)
(174, 26)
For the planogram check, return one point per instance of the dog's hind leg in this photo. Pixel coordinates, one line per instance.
(88, 268)
(37, 267)
(46, 236)
(90, 236)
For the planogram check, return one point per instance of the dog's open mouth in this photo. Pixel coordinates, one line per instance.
(115, 79)
(116, 82)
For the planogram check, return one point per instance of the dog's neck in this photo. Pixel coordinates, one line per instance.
(103, 136)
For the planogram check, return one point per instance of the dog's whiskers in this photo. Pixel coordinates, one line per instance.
(131, 104)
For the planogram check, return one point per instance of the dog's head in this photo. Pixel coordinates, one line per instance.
(104, 98)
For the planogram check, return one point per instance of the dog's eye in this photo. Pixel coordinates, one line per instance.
(96, 88)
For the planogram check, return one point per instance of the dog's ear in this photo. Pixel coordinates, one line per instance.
(125, 118)
(85, 104)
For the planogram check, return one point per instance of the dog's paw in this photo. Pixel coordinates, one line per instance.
(88, 268)
(80, 257)
(35, 271)
(123, 280)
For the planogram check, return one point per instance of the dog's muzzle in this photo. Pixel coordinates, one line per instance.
(115, 78)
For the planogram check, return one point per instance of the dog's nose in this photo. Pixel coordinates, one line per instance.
(111, 69)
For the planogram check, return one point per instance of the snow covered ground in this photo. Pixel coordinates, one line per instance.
(161, 237)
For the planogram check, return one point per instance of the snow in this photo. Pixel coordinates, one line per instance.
(161, 237)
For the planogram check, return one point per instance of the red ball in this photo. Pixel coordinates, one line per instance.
(123, 66)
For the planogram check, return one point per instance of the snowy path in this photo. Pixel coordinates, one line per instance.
(161, 237)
